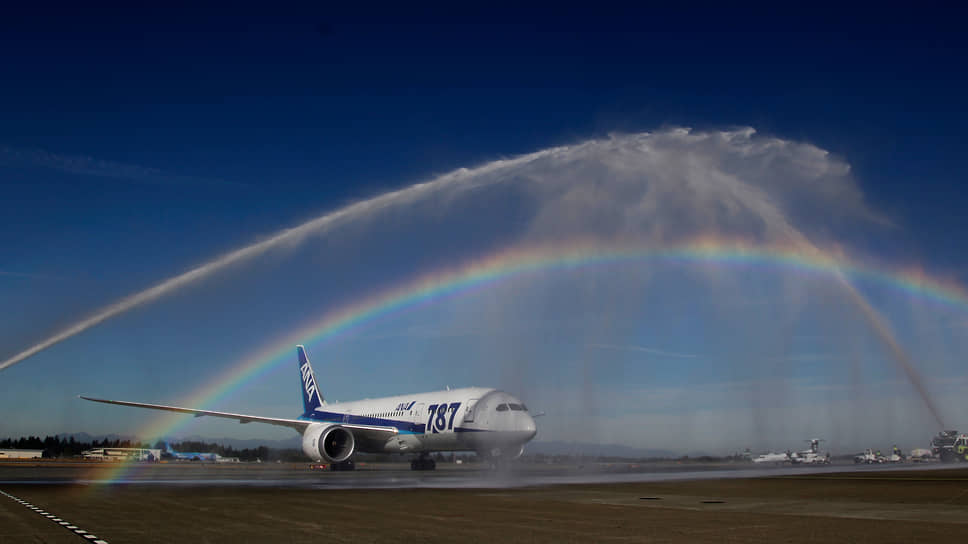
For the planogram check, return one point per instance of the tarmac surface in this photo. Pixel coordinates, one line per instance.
(530, 503)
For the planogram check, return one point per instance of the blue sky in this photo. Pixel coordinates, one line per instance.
(134, 145)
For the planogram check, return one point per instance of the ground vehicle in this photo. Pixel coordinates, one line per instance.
(943, 445)
(921, 455)
(869, 457)
(961, 448)
(896, 455)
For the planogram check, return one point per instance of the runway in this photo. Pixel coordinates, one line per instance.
(662, 503)
(398, 475)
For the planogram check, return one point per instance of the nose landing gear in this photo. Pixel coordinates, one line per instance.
(500, 459)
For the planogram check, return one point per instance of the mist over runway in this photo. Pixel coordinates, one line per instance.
(398, 476)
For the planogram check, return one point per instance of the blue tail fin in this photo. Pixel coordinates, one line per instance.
(312, 398)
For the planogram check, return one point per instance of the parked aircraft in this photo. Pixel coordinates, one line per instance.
(190, 456)
(491, 422)
(772, 457)
(811, 456)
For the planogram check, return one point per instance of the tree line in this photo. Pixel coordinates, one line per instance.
(55, 447)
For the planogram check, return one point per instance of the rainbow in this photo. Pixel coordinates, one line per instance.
(522, 260)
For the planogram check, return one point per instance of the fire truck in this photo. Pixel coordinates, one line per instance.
(950, 446)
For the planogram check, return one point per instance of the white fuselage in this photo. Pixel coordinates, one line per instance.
(469, 419)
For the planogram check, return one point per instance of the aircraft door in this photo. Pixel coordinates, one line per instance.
(481, 413)
(418, 410)
(469, 410)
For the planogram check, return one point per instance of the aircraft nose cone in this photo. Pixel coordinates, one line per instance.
(529, 427)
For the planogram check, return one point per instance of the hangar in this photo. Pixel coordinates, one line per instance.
(123, 454)
(21, 454)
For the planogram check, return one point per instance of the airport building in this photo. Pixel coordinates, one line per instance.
(123, 454)
(21, 454)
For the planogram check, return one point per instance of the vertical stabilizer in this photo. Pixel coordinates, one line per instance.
(312, 398)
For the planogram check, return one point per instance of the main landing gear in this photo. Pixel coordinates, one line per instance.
(342, 466)
(423, 463)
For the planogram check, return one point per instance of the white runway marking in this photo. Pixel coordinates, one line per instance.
(67, 525)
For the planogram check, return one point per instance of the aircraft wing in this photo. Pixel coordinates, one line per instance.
(297, 424)
(372, 432)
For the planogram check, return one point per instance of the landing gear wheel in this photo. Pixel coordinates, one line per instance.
(423, 463)
(344, 465)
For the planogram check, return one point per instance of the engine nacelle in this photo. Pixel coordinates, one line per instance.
(328, 442)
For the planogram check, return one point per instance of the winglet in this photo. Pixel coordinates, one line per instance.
(312, 398)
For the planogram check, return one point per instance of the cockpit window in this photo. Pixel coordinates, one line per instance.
(502, 407)
(516, 407)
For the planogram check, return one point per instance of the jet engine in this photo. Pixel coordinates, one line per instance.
(330, 443)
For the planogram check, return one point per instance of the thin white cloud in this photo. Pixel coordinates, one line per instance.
(89, 166)
(643, 349)
(808, 357)
(25, 275)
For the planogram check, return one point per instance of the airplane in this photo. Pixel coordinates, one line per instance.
(491, 422)
(811, 456)
(772, 457)
(190, 456)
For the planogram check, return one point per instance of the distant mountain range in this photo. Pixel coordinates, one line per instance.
(243, 443)
(237, 443)
(85, 437)
(594, 450)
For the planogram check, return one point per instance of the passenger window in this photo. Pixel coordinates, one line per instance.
(502, 407)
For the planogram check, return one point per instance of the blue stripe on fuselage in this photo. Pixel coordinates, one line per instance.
(336, 417)
(404, 427)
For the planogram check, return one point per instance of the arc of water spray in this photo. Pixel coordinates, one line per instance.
(457, 179)
(884, 333)
(871, 315)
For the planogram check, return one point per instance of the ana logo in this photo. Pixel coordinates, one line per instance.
(404, 406)
(309, 384)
